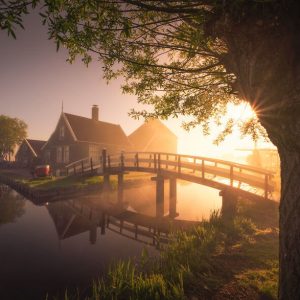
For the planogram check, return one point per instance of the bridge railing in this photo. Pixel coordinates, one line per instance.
(84, 165)
(187, 166)
(230, 173)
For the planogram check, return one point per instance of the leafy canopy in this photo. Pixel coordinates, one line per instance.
(12, 133)
(172, 53)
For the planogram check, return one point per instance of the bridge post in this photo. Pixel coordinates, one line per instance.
(108, 161)
(229, 203)
(122, 160)
(91, 162)
(104, 169)
(179, 164)
(158, 160)
(159, 195)
(173, 198)
(137, 160)
(104, 160)
(231, 175)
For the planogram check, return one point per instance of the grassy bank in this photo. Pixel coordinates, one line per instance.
(76, 182)
(218, 260)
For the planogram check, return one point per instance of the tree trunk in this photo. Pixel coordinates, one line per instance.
(289, 224)
(267, 73)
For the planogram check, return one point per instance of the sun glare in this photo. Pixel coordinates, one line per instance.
(195, 143)
(240, 112)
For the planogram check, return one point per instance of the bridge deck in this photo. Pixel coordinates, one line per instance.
(244, 180)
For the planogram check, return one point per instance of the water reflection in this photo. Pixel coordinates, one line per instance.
(11, 205)
(69, 243)
(110, 212)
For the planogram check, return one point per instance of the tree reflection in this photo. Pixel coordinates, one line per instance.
(11, 205)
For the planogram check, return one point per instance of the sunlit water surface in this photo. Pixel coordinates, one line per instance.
(68, 243)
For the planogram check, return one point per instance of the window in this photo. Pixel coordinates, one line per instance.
(66, 154)
(62, 132)
(59, 154)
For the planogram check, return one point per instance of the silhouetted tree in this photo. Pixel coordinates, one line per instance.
(192, 58)
(12, 133)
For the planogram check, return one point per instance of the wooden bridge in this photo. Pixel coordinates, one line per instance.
(243, 180)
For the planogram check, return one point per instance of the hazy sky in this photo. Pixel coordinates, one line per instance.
(35, 79)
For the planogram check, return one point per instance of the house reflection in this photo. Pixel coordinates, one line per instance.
(105, 213)
(70, 222)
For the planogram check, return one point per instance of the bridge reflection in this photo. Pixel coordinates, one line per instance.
(109, 212)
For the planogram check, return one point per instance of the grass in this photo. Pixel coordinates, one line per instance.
(77, 182)
(215, 259)
(264, 256)
(63, 182)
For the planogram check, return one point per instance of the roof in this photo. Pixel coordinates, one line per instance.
(149, 131)
(88, 130)
(36, 144)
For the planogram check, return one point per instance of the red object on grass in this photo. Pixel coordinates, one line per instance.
(42, 171)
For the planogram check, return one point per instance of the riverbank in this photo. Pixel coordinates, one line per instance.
(48, 189)
(217, 260)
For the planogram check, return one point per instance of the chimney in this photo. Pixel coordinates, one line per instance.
(95, 113)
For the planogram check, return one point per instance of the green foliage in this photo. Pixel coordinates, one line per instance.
(253, 128)
(12, 133)
(48, 183)
(125, 282)
(12, 12)
(171, 53)
(265, 276)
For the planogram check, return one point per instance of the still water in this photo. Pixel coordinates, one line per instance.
(63, 244)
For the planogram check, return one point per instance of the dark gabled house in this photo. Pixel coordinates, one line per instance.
(29, 152)
(153, 136)
(77, 137)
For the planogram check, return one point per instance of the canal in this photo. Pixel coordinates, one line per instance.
(66, 244)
